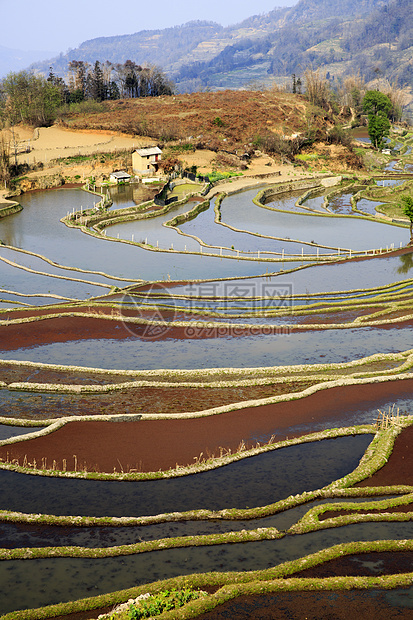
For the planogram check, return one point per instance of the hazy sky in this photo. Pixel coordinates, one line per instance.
(57, 25)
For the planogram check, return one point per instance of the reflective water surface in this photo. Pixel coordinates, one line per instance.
(304, 467)
(225, 351)
(61, 579)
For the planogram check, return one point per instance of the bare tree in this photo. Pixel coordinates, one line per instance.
(317, 88)
(352, 91)
(120, 75)
(158, 82)
(399, 97)
(4, 159)
(78, 72)
(107, 68)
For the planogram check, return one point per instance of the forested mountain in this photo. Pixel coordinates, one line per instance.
(342, 37)
(310, 10)
(346, 37)
(165, 47)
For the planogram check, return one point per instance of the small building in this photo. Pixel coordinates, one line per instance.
(119, 177)
(145, 162)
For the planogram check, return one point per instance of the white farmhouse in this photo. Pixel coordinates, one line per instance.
(119, 177)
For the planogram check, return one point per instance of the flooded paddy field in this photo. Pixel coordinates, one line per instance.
(213, 490)
(72, 577)
(357, 405)
(218, 352)
(349, 233)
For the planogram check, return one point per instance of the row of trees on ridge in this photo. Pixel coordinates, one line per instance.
(112, 81)
(34, 99)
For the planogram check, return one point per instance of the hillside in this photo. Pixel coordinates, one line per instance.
(371, 37)
(226, 123)
(162, 47)
(196, 41)
(215, 120)
(340, 36)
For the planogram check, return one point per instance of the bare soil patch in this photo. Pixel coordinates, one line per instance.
(49, 143)
(399, 467)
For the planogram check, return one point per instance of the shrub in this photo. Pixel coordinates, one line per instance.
(338, 135)
(183, 147)
(164, 601)
(276, 144)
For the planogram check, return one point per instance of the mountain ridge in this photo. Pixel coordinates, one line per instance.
(341, 37)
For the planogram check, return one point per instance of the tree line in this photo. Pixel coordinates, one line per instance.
(109, 80)
(350, 92)
(34, 99)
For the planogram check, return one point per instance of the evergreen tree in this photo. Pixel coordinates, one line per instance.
(97, 84)
(59, 82)
(113, 90)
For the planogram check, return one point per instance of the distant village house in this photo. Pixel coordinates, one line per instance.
(145, 162)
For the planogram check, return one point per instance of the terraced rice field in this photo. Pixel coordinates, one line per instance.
(220, 399)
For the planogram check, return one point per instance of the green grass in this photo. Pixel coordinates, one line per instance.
(184, 147)
(154, 605)
(220, 176)
(183, 190)
(97, 156)
(82, 107)
(307, 157)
